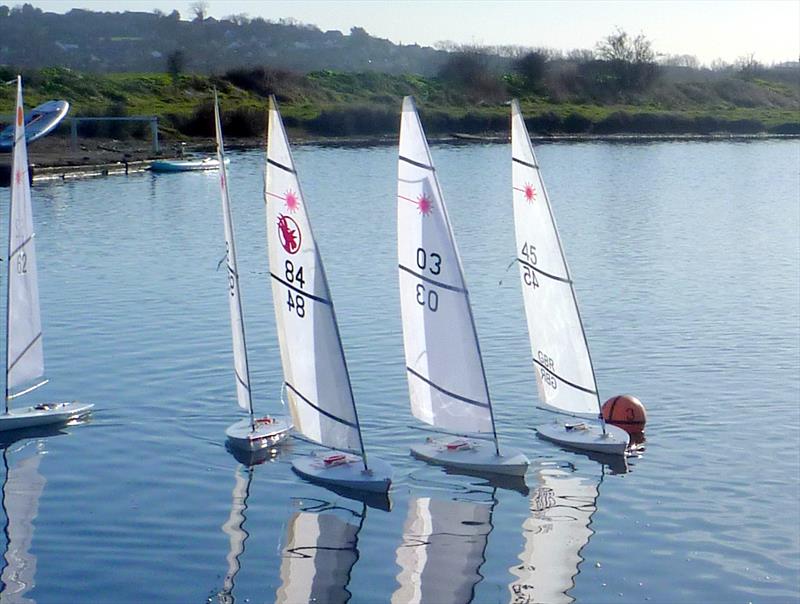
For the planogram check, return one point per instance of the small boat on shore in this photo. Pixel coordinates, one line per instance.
(186, 165)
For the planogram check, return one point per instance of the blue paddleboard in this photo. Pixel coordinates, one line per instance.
(38, 122)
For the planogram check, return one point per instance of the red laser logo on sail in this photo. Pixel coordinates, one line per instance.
(289, 234)
(530, 193)
(292, 202)
(424, 204)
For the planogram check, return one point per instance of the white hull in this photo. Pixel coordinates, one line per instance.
(479, 457)
(242, 436)
(186, 165)
(43, 415)
(586, 436)
(350, 475)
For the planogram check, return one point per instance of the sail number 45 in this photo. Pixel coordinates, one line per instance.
(528, 273)
(295, 302)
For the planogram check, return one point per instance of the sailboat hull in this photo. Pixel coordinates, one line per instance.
(266, 434)
(43, 415)
(586, 436)
(479, 457)
(349, 475)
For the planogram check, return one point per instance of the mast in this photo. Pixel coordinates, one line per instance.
(237, 316)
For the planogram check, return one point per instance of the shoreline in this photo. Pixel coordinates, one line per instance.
(52, 158)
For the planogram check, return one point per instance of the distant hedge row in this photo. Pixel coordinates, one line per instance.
(376, 121)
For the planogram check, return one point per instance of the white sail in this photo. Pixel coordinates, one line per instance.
(24, 350)
(560, 352)
(443, 548)
(446, 380)
(241, 369)
(315, 373)
(555, 533)
(318, 559)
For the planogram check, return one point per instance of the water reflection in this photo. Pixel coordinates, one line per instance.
(22, 488)
(321, 549)
(556, 531)
(443, 549)
(234, 528)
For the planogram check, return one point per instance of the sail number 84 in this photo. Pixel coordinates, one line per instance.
(295, 302)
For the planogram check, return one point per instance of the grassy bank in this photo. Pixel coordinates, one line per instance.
(343, 104)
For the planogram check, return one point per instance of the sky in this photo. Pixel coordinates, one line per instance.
(707, 29)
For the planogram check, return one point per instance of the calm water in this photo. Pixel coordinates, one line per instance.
(687, 265)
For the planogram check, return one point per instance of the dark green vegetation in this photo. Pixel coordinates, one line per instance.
(328, 103)
(331, 84)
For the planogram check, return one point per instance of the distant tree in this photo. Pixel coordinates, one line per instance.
(680, 61)
(747, 67)
(158, 13)
(176, 62)
(468, 70)
(175, 15)
(631, 61)
(531, 67)
(4, 11)
(199, 9)
(581, 55)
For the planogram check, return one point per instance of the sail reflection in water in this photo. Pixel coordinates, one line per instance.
(555, 533)
(22, 489)
(321, 549)
(444, 546)
(234, 528)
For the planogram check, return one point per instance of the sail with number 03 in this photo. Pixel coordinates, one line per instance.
(563, 365)
(24, 348)
(446, 379)
(250, 433)
(315, 373)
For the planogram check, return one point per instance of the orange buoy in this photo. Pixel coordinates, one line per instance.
(625, 411)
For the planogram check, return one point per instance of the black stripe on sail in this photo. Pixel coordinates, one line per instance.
(281, 166)
(417, 164)
(463, 399)
(322, 411)
(24, 352)
(543, 273)
(561, 379)
(20, 246)
(524, 163)
(432, 281)
(300, 291)
(232, 272)
(239, 379)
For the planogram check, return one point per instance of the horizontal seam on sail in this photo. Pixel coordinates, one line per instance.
(25, 351)
(300, 291)
(417, 164)
(432, 281)
(561, 379)
(325, 413)
(21, 245)
(244, 384)
(541, 272)
(447, 392)
(525, 163)
(281, 166)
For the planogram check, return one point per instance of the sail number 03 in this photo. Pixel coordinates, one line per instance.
(432, 262)
(295, 302)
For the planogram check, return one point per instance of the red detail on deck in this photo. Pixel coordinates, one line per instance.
(20, 116)
(457, 445)
(335, 459)
(289, 234)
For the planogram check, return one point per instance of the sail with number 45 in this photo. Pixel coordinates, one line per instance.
(560, 351)
(315, 372)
